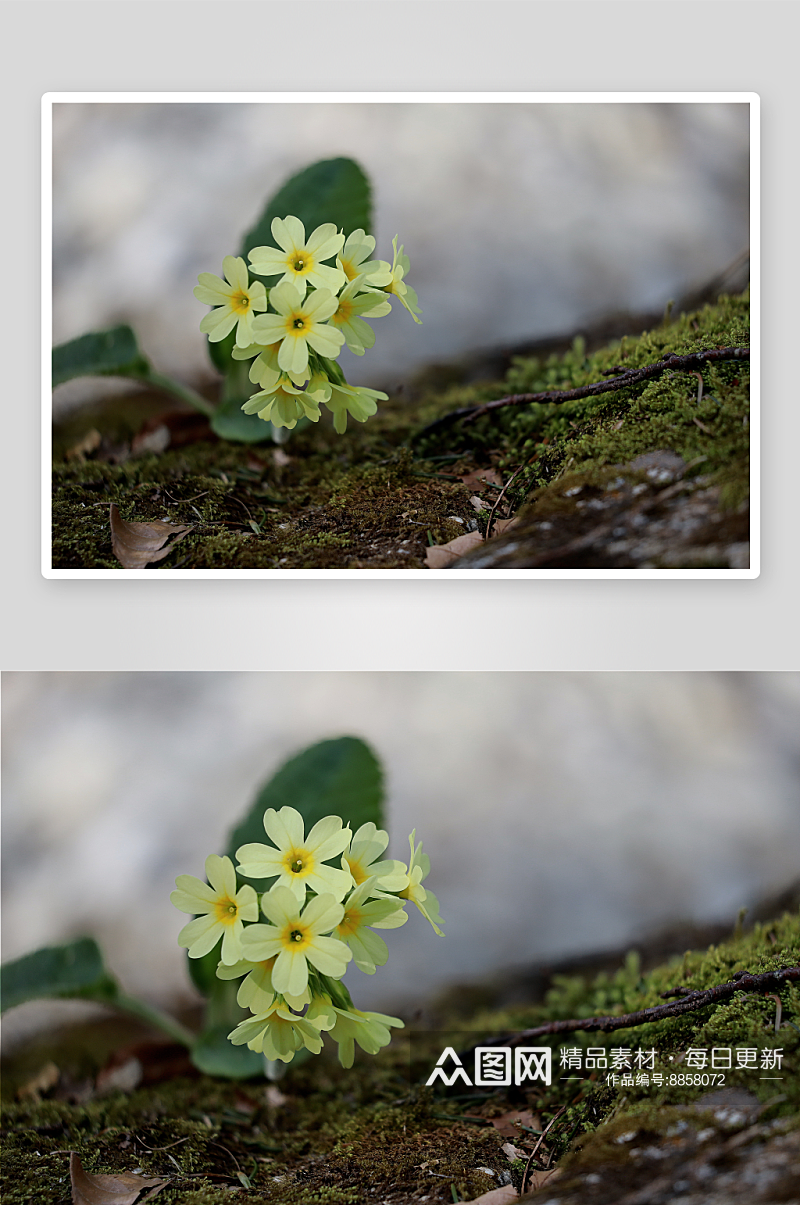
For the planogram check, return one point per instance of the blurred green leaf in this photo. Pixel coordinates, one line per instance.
(229, 422)
(73, 970)
(339, 777)
(332, 190)
(212, 1053)
(112, 353)
(220, 352)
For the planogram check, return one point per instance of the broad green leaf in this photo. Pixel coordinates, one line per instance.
(339, 777)
(112, 353)
(332, 190)
(220, 352)
(230, 423)
(73, 970)
(212, 1053)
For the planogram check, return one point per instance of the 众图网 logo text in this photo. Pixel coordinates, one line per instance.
(495, 1067)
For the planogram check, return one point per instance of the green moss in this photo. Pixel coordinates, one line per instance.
(346, 1136)
(378, 496)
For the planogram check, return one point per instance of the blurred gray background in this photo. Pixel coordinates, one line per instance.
(520, 220)
(563, 812)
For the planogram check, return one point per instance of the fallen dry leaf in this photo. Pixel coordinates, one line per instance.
(137, 544)
(502, 525)
(505, 1123)
(479, 503)
(513, 1152)
(497, 1196)
(43, 1081)
(123, 1188)
(479, 477)
(535, 1180)
(84, 447)
(442, 555)
(155, 440)
(125, 1077)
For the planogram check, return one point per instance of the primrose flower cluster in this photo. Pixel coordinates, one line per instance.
(294, 330)
(319, 918)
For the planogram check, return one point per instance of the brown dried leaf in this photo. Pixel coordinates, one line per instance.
(45, 1079)
(442, 555)
(137, 544)
(84, 447)
(502, 525)
(505, 1123)
(535, 1180)
(479, 503)
(497, 1196)
(479, 478)
(513, 1152)
(123, 1188)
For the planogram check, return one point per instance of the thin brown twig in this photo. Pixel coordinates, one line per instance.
(152, 1149)
(741, 982)
(538, 1144)
(499, 499)
(633, 376)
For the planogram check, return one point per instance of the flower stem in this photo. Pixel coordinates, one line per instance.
(184, 392)
(154, 1016)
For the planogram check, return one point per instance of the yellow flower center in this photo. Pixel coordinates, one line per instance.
(299, 264)
(298, 863)
(240, 302)
(348, 268)
(226, 910)
(299, 323)
(350, 922)
(296, 936)
(357, 871)
(344, 312)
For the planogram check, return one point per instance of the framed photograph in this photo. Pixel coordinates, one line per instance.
(400, 334)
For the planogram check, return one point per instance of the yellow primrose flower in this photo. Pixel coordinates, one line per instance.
(358, 401)
(297, 325)
(358, 247)
(358, 334)
(361, 916)
(277, 1033)
(298, 860)
(418, 869)
(265, 370)
(299, 261)
(295, 936)
(403, 292)
(370, 1030)
(256, 992)
(367, 845)
(220, 910)
(283, 404)
(236, 299)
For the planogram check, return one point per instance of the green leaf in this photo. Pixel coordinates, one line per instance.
(230, 423)
(113, 353)
(220, 352)
(73, 970)
(339, 777)
(213, 1054)
(332, 190)
(203, 971)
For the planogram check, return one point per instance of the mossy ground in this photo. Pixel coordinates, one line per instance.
(378, 496)
(372, 1133)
